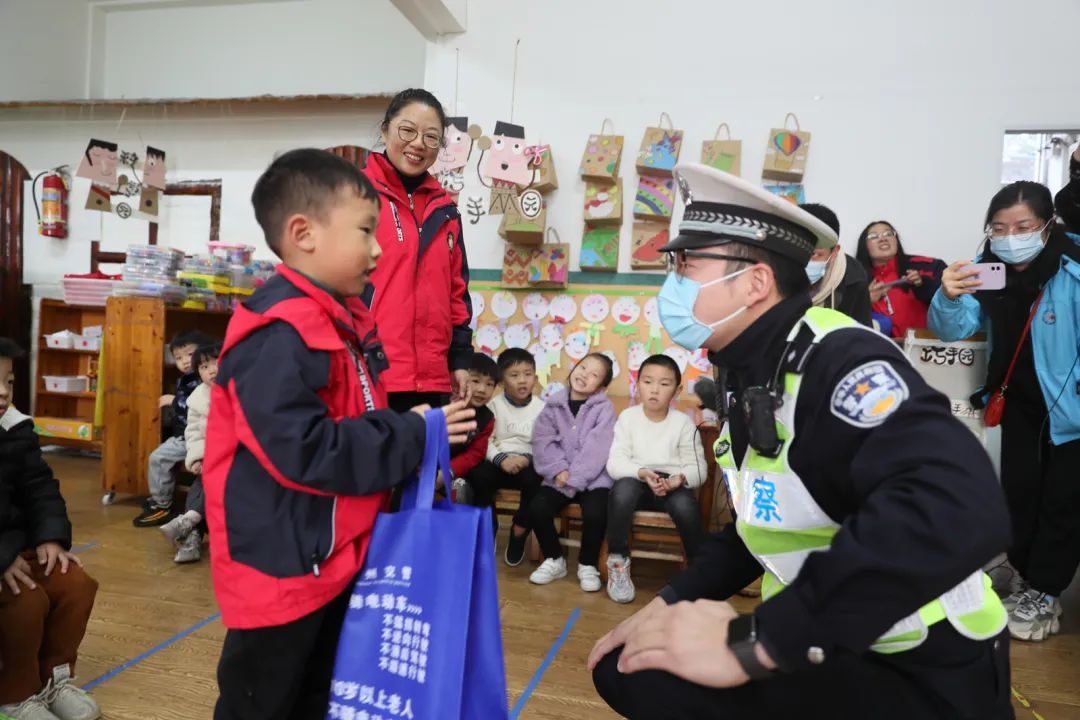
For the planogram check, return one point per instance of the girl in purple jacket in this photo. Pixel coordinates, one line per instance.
(571, 442)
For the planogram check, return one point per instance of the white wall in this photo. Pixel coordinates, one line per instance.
(279, 47)
(236, 150)
(907, 102)
(43, 49)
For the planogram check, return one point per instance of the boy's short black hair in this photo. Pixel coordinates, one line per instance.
(609, 367)
(190, 337)
(665, 362)
(206, 352)
(515, 356)
(303, 181)
(824, 214)
(484, 366)
(10, 349)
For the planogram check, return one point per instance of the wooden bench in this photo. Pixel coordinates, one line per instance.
(653, 535)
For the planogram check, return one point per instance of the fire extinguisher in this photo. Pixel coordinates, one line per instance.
(53, 213)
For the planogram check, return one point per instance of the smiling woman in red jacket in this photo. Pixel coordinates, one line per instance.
(421, 285)
(901, 285)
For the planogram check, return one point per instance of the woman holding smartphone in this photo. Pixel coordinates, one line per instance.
(1032, 385)
(901, 285)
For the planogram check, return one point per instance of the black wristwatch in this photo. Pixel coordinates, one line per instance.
(742, 638)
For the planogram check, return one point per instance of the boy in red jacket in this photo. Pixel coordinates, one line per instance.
(300, 454)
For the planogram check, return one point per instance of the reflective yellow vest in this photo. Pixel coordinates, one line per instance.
(781, 523)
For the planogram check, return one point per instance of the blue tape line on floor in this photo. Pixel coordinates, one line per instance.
(544, 665)
(152, 651)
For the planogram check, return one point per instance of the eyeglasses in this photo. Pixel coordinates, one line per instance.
(676, 259)
(1024, 227)
(408, 134)
(887, 235)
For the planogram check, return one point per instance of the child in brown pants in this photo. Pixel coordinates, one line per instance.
(45, 597)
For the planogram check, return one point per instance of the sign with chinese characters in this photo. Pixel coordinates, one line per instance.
(946, 355)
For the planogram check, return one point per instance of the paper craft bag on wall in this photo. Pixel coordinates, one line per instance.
(515, 270)
(646, 242)
(602, 156)
(793, 193)
(655, 198)
(603, 202)
(785, 157)
(525, 221)
(659, 149)
(549, 265)
(724, 155)
(600, 249)
(544, 179)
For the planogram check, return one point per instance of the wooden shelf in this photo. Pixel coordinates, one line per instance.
(70, 351)
(80, 395)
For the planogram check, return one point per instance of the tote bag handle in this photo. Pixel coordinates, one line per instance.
(420, 494)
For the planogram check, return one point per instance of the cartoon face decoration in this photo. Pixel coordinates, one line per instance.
(699, 359)
(635, 355)
(457, 145)
(517, 336)
(503, 304)
(154, 168)
(535, 306)
(506, 160)
(550, 389)
(652, 311)
(595, 308)
(98, 163)
(477, 305)
(615, 369)
(625, 310)
(538, 353)
(577, 345)
(551, 338)
(563, 309)
(531, 203)
(680, 356)
(488, 339)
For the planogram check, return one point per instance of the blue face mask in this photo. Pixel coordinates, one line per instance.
(815, 270)
(676, 304)
(1018, 249)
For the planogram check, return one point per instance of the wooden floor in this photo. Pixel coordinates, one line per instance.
(147, 608)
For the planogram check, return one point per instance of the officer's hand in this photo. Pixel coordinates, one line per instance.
(165, 400)
(618, 636)
(689, 640)
(957, 281)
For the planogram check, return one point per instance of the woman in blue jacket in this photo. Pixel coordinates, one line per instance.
(1040, 443)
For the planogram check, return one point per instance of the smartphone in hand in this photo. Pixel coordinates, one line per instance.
(991, 275)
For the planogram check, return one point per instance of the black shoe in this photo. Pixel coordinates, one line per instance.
(515, 547)
(154, 516)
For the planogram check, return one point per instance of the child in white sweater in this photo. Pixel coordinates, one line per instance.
(509, 462)
(183, 530)
(657, 462)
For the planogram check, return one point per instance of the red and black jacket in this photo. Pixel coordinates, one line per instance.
(299, 454)
(421, 285)
(467, 455)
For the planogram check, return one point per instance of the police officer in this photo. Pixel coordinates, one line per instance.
(867, 509)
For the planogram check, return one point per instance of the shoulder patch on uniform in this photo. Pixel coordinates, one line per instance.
(869, 394)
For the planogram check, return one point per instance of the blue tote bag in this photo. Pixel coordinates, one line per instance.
(421, 638)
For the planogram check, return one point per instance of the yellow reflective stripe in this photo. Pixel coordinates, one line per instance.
(770, 541)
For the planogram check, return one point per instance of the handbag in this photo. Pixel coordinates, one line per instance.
(421, 637)
(995, 407)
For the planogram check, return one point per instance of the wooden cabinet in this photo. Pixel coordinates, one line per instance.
(135, 376)
(66, 417)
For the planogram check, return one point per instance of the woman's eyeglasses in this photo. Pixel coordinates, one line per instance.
(887, 235)
(408, 134)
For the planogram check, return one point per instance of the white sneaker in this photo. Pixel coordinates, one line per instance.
(550, 570)
(178, 528)
(190, 548)
(620, 587)
(1009, 602)
(32, 708)
(1005, 578)
(588, 577)
(68, 701)
(1036, 618)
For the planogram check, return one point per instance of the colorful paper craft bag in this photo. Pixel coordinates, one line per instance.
(600, 249)
(646, 241)
(655, 198)
(515, 269)
(602, 156)
(549, 265)
(785, 156)
(604, 202)
(659, 149)
(724, 155)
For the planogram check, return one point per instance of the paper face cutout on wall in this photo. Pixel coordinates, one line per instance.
(680, 355)
(551, 338)
(652, 311)
(505, 158)
(98, 163)
(552, 388)
(503, 304)
(577, 345)
(615, 369)
(562, 309)
(477, 308)
(517, 335)
(458, 140)
(636, 353)
(535, 307)
(154, 168)
(595, 308)
(699, 359)
(625, 311)
(488, 339)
